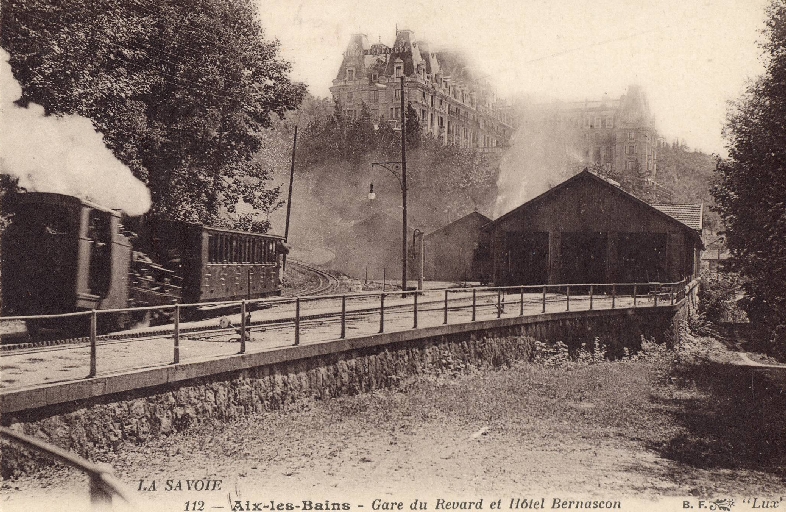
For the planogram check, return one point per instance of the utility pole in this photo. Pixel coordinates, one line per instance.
(289, 198)
(392, 168)
(403, 187)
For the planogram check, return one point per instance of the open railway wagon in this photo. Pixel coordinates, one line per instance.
(62, 254)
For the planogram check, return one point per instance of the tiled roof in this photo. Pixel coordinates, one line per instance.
(688, 214)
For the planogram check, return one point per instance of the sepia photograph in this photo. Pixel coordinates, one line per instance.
(310, 256)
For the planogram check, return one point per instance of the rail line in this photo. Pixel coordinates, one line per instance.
(326, 283)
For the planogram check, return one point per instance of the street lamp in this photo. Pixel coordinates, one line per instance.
(393, 167)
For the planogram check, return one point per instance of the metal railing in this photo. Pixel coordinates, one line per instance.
(355, 311)
(104, 487)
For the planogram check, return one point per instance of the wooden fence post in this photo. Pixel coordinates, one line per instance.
(343, 316)
(381, 312)
(297, 320)
(177, 333)
(445, 321)
(93, 350)
(243, 326)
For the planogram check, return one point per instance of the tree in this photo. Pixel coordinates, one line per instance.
(414, 130)
(751, 189)
(182, 90)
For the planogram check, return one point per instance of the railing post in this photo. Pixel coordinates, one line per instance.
(656, 299)
(343, 316)
(634, 295)
(567, 298)
(613, 295)
(415, 310)
(177, 333)
(445, 320)
(590, 296)
(297, 320)
(499, 303)
(521, 297)
(93, 331)
(544, 299)
(671, 294)
(381, 312)
(473, 305)
(243, 326)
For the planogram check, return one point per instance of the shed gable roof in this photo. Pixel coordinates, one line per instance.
(475, 217)
(689, 214)
(586, 175)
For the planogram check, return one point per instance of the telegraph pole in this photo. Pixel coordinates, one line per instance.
(403, 187)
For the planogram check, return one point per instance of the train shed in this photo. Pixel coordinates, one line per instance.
(589, 230)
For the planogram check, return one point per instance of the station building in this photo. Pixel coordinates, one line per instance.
(453, 104)
(588, 230)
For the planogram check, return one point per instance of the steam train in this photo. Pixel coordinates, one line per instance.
(61, 254)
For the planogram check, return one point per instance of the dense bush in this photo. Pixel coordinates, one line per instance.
(717, 297)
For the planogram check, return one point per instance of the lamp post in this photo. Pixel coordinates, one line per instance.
(391, 167)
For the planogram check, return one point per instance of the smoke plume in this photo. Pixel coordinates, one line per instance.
(64, 154)
(542, 154)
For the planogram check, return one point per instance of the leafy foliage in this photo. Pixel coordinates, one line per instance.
(717, 296)
(182, 91)
(751, 192)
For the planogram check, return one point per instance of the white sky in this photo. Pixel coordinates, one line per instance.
(691, 56)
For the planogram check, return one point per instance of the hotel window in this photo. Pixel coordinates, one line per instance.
(397, 94)
(597, 122)
(374, 96)
(350, 96)
(629, 165)
(399, 71)
(374, 77)
(631, 135)
(350, 74)
(609, 122)
(631, 150)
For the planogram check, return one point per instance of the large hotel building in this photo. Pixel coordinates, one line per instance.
(617, 133)
(452, 104)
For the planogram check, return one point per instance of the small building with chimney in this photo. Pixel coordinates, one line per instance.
(453, 253)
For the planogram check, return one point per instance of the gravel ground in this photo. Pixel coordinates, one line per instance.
(670, 424)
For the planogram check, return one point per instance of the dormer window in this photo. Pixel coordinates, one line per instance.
(399, 70)
(374, 77)
(350, 74)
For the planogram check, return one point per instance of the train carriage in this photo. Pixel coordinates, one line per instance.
(62, 254)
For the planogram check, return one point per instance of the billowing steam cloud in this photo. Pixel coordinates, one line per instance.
(542, 154)
(62, 154)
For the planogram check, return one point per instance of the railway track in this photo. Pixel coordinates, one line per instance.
(325, 282)
(322, 283)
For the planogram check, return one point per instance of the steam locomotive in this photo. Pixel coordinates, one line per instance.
(62, 254)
